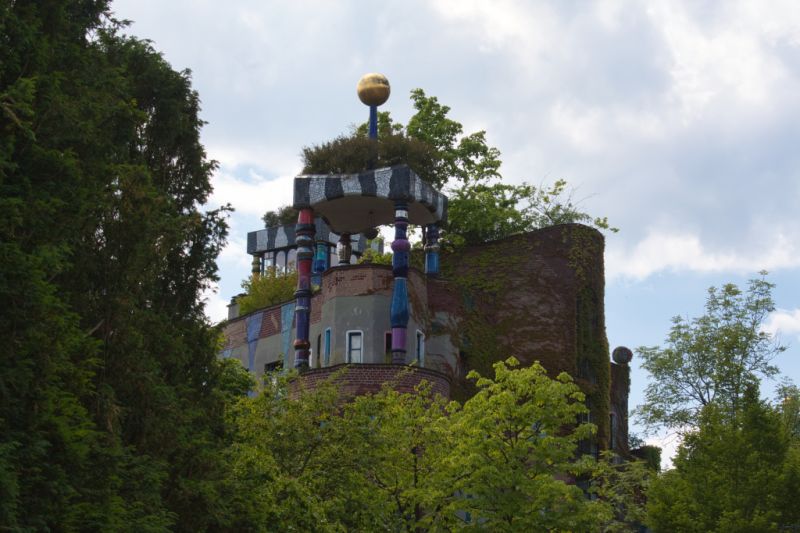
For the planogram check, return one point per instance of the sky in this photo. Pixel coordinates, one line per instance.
(678, 120)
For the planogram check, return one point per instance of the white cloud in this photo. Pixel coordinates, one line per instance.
(216, 306)
(784, 322)
(234, 254)
(684, 252)
(253, 195)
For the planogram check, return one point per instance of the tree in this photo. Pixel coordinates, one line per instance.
(481, 212)
(712, 359)
(513, 453)
(737, 471)
(737, 463)
(482, 207)
(505, 460)
(432, 144)
(111, 416)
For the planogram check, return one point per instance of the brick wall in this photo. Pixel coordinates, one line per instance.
(316, 309)
(355, 380)
(356, 280)
(526, 287)
(271, 322)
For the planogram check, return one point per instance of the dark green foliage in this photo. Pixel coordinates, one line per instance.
(284, 215)
(738, 471)
(354, 153)
(110, 417)
(650, 454)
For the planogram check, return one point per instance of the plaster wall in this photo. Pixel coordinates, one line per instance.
(351, 298)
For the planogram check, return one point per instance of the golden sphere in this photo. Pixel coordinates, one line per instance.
(373, 89)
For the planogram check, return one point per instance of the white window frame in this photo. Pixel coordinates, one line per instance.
(419, 348)
(347, 335)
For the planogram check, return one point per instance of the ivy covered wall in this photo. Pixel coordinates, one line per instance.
(538, 296)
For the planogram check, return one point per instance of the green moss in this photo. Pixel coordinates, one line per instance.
(594, 371)
(480, 276)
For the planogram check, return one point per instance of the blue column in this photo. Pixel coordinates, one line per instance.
(432, 251)
(320, 261)
(373, 122)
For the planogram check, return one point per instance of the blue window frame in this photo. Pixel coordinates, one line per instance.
(326, 360)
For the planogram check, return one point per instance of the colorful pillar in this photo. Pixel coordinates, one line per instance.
(399, 306)
(305, 253)
(432, 250)
(320, 261)
(255, 268)
(345, 249)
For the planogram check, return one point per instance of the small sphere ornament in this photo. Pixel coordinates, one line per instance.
(373, 89)
(622, 355)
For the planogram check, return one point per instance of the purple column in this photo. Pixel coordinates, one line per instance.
(399, 306)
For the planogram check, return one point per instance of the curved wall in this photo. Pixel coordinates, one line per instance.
(355, 380)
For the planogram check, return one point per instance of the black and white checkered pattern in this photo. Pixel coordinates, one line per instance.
(394, 183)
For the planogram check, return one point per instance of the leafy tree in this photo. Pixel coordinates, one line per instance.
(480, 212)
(622, 484)
(481, 206)
(502, 461)
(737, 471)
(270, 288)
(712, 359)
(432, 144)
(512, 453)
(111, 415)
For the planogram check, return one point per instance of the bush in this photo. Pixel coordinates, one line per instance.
(270, 288)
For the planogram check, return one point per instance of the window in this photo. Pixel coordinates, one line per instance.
(387, 347)
(326, 360)
(420, 351)
(318, 353)
(272, 367)
(355, 346)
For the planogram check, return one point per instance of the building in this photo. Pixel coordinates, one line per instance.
(536, 296)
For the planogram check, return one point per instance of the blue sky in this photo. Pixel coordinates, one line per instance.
(679, 120)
